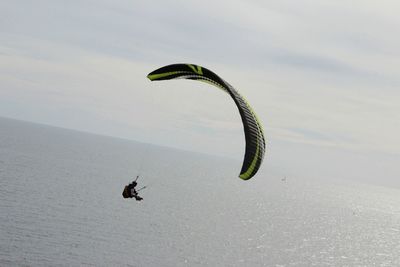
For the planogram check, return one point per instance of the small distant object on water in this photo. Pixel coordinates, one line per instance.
(283, 179)
(131, 192)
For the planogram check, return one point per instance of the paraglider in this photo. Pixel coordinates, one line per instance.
(254, 135)
(131, 192)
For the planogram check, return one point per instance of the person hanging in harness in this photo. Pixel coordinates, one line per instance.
(131, 192)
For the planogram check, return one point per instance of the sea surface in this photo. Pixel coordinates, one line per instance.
(61, 205)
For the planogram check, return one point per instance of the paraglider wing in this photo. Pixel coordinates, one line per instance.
(255, 142)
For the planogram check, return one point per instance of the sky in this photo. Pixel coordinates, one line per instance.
(322, 76)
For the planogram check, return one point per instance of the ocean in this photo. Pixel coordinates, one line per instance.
(61, 205)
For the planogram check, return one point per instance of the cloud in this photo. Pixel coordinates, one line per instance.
(315, 72)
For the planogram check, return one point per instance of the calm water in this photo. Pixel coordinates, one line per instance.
(61, 205)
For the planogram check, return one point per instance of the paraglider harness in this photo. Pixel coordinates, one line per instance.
(131, 192)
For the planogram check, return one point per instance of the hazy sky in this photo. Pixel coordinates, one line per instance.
(323, 76)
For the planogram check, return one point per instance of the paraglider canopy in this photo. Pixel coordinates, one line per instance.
(254, 135)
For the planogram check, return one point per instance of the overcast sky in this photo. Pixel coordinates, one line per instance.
(323, 76)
